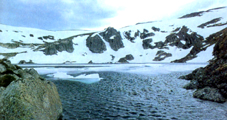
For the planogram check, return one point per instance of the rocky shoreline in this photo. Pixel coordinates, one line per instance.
(211, 81)
(24, 94)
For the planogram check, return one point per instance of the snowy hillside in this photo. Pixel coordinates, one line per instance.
(184, 39)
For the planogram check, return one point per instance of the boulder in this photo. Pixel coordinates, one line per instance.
(95, 44)
(211, 94)
(25, 95)
(113, 37)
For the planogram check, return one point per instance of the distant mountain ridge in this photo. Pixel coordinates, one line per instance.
(186, 39)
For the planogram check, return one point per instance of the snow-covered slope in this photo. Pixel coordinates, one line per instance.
(184, 39)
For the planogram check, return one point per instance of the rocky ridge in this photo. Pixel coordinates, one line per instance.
(211, 81)
(152, 37)
(26, 95)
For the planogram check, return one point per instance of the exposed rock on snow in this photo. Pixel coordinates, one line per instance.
(126, 58)
(24, 62)
(60, 45)
(25, 95)
(95, 44)
(155, 29)
(146, 34)
(209, 22)
(161, 55)
(146, 44)
(180, 37)
(177, 39)
(197, 14)
(116, 41)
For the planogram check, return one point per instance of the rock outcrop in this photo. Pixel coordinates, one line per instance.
(183, 39)
(95, 44)
(24, 62)
(212, 79)
(161, 55)
(146, 34)
(126, 58)
(25, 95)
(59, 46)
(113, 37)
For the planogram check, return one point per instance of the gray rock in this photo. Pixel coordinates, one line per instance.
(2, 68)
(112, 57)
(192, 85)
(159, 44)
(129, 57)
(211, 94)
(58, 46)
(127, 35)
(192, 39)
(30, 99)
(155, 29)
(2, 89)
(113, 37)
(24, 62)
(126, 58)
(90, 62)
(146, 44)
(123, 60)
(49, 37)
(145, 35)
(25, 95)
(65, 45)
(95, 44)
(161, 55)
(50, 49)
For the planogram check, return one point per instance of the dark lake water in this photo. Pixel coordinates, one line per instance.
(131, 96)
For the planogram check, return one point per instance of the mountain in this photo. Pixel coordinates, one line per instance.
(188, 38)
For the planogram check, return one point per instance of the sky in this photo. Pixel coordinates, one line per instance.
(95, 14)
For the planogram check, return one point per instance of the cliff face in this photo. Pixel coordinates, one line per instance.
(211, 80)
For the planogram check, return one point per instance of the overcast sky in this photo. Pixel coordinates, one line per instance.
(95, 14)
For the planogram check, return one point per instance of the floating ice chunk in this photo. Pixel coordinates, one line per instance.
(62, 75)
(88, 79)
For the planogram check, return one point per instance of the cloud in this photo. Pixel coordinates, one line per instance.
(81, 14)
(54, 14)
